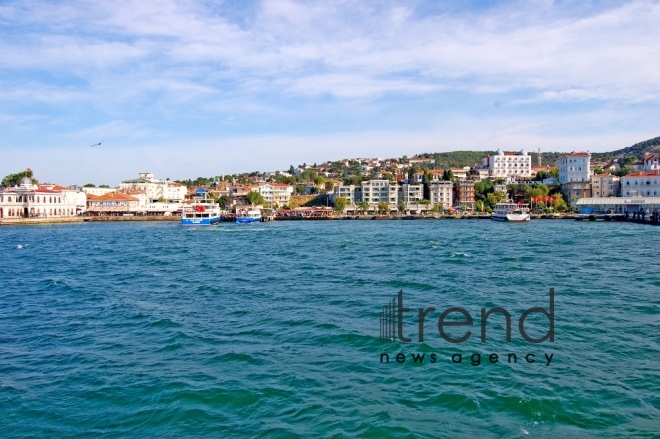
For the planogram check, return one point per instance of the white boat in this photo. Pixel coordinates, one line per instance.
(202, 213)
(247, 216)
(512, 212)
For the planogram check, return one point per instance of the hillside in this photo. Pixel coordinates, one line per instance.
(459, 159)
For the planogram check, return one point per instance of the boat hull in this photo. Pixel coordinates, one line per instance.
(247, 220)
(513, 218)
(200, 221)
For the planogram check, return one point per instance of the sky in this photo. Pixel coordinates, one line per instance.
(188, 88)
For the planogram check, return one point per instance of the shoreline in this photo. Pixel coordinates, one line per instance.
(76, 220)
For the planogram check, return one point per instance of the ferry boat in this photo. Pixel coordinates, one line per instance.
(512, 212)
(247, 216)
(202, 213)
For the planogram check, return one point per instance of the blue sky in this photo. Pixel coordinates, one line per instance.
(199, 88)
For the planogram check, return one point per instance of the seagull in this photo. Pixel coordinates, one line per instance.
(97, 144)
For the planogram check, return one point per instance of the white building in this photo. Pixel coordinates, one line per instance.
(411, 193)
(574, 167)
(98, 191)
(442, 192)
(377, 191)
(651, 162)
(641, 184)
(504, 164)
(346, 191)
(29, 200)
(276, 194)
(155, 189)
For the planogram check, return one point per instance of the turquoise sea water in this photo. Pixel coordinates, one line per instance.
(272, 330)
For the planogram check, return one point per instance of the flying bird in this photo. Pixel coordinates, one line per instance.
(97, 144)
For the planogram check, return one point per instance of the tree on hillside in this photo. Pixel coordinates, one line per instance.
(255, 198)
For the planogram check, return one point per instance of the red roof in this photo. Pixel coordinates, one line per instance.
(643, 174)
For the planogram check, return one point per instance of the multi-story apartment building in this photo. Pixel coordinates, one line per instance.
(504, 164)
(156, 190)
(605, 185)
(464, 194)
(276, 194)
(377, 191)
(641, 184)
(346, 191)
(574, 167)
(442, 192)
(411, 193)
(575, 176)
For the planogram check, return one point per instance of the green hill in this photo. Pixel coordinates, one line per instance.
(459, 159)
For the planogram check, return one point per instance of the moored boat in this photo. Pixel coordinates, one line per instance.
(512, 212)
(201, 213)
(247, 216)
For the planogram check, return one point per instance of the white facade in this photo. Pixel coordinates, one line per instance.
(345, 191)
(641, 184)
(411, 193)
(651, 162)
(98, 191)
(574, 167)
(277, 194)
(40, 201)
(508, 164)
(377, 191)
(155, 189)
(442, 192)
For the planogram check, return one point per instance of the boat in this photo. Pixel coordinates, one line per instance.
(512, 212)
(247, 216)
(201, 213)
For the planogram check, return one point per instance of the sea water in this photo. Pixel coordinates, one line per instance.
(272, 329)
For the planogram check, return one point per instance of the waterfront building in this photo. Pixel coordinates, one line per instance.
(574, 167)
(622, 205)
(346, 191)
(28, 200)
(377, 191)
(411, 193)
(503, 164)
(156, 190)
(464, 194)
(442, 192)
(98, 190)
(605, 185)
(641, 184)
(277, 194)
(575, 175)
(112, 203)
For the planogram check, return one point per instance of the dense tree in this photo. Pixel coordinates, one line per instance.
(340, 203)
(255, 198)
(90, 185)
(363, 206)
(383, 208)
(224, 201)
(15, 179)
